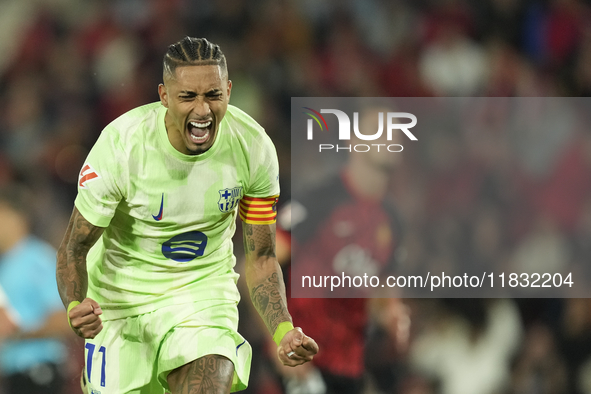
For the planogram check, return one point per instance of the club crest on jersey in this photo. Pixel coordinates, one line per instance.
(87, 174)
(229, 198)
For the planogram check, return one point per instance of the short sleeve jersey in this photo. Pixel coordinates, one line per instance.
(169, 218)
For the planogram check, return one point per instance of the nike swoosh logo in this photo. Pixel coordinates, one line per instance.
(238, 347)
(159, 216)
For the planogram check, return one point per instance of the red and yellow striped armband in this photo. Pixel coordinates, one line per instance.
(254, 210)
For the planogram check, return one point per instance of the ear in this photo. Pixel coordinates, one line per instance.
(229, 89)
(163, 94)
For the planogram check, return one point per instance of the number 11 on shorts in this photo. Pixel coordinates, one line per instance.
(102, 350)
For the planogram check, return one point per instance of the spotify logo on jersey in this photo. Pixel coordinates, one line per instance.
(185, 247)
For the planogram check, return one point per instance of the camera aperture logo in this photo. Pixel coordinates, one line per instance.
(344, 133)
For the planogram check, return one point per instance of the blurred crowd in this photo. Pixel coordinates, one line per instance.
(68, 68)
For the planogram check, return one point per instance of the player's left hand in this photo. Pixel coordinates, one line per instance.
(296, 348)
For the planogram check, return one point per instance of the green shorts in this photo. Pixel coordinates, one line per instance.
(136, 354)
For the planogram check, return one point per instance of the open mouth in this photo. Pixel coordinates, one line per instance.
(200, 131)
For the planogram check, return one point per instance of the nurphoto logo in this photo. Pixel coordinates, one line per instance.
(344, 133)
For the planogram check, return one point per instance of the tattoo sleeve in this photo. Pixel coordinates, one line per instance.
(263, 274)
(71, 275)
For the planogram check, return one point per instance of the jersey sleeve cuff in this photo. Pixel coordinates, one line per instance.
(90, 214)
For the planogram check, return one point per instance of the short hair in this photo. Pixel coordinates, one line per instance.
(192, 51)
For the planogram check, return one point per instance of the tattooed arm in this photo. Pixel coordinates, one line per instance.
(267, 292)
(72, 278)
(263, 275)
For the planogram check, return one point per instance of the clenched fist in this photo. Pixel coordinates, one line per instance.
(85, 320)
(296, 348)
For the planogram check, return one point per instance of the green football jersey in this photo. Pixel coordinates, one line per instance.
(169, 217)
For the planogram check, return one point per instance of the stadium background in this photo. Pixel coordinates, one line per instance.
(67, 68)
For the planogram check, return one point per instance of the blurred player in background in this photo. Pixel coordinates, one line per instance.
(347, 226)
(34, 323)
(153, 223)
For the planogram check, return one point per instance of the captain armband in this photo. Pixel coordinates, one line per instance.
(255, 210)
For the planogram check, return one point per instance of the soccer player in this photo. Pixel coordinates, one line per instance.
(32, 319)
(146, 265)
